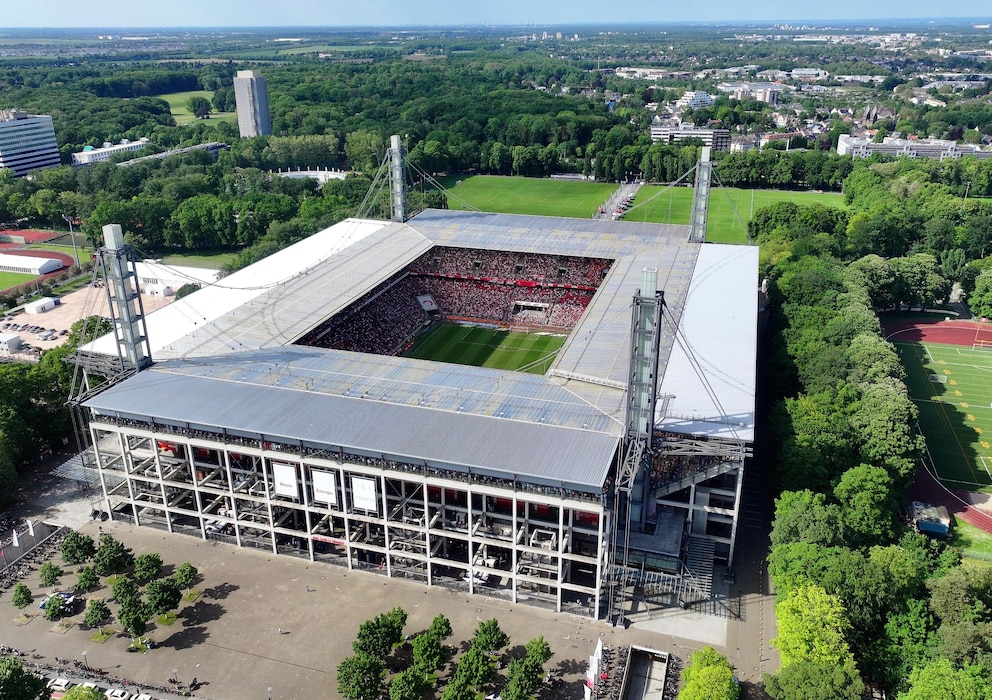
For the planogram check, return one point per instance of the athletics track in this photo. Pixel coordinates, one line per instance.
(973, 508)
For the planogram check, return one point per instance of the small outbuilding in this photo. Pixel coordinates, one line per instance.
(40, 306)
(9, 343)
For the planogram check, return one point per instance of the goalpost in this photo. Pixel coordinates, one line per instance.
(982, 345)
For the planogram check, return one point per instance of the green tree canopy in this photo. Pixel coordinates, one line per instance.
(111, 557)
(360, 677)
(77, 548)
(811, 627)
(147, 566)
(97, 613)
(18, 684)
(21, 597)
(811, 680)
(163, 595)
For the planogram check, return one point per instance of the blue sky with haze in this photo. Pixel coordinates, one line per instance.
(225, 13)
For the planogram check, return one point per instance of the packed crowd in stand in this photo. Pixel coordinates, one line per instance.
(519, 289)
(667, 468)
(537, 267)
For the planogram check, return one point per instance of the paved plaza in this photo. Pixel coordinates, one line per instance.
(229, 638)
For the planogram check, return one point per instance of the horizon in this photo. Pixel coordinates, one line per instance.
(386, 14)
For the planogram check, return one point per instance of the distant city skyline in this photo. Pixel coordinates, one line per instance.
(298, 13)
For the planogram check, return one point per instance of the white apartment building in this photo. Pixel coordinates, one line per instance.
(252, 98)
(90, 155)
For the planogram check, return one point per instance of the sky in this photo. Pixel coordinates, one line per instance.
(331, 13)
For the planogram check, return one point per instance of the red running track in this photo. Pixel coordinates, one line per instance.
(926, 487)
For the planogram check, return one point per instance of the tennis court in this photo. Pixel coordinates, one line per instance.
(488, 347)
(952, 388)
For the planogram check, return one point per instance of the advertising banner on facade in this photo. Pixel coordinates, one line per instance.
(363, 493)
(324, 487)
(285, 476)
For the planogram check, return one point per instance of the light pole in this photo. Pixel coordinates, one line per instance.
(75, 253)
(85, 665)
(270, 692)
(175, 674)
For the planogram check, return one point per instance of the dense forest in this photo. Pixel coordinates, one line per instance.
(859, 596)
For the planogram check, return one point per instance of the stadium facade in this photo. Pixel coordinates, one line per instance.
(485, 481)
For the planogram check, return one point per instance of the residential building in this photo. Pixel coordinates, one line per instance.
(717, 139)
(693, 100)
(27, 142)
(252, 98)
(911, 148)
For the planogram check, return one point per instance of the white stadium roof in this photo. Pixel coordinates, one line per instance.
(224, 355)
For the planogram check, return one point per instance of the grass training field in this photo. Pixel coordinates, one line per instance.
(952, 387)
(182, 115)
(12, 279)
(212, 260)
(528, 195)
(729, 212)
(485, 347)
(730, 208)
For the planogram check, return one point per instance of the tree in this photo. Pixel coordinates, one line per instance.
(77, 548)
(125, 589)
(185, 576)
(867, 508)
(804, 516)
(811, 627)
(199, 106)
(111, 557)
(525, 676)
(810, 680)
(940, 680)
(489, 638)
(163, 595)
(88, 579)
(376, 637)
(709, 675)
(49, 574)
(82, 693)
(186, 290)
(440, 627)
(21, 597)
(428, 653)
(363, 149)
(360, 677)
(476, 667)
(133, 616)
(97, 613)
(147, 566)
(18, 684)
(408, 685)
(56, 607)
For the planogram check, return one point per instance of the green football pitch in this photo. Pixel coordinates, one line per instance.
(528, 195)
(485, 347)
(729, 212)
(952, 388)
(12, 279)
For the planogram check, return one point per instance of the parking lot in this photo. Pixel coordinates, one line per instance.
(88, 301)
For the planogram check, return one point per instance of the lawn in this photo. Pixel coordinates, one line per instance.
(12, 279)
(182, 115)
(974, 543)
(952, 388)
(211, 260)
(729, 211)
(527, 195)
(483, 347)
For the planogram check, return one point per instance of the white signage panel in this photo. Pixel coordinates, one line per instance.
(324, 487)
(363, 493)
(285, 476)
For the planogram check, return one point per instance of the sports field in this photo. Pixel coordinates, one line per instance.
(12, 279)
(528, 195)
(952, 387)
(729, 211)
(485, 347)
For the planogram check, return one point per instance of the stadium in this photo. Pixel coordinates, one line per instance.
(336, 402)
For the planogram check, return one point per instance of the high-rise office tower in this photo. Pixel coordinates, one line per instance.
(27, 142)
(252, 98)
